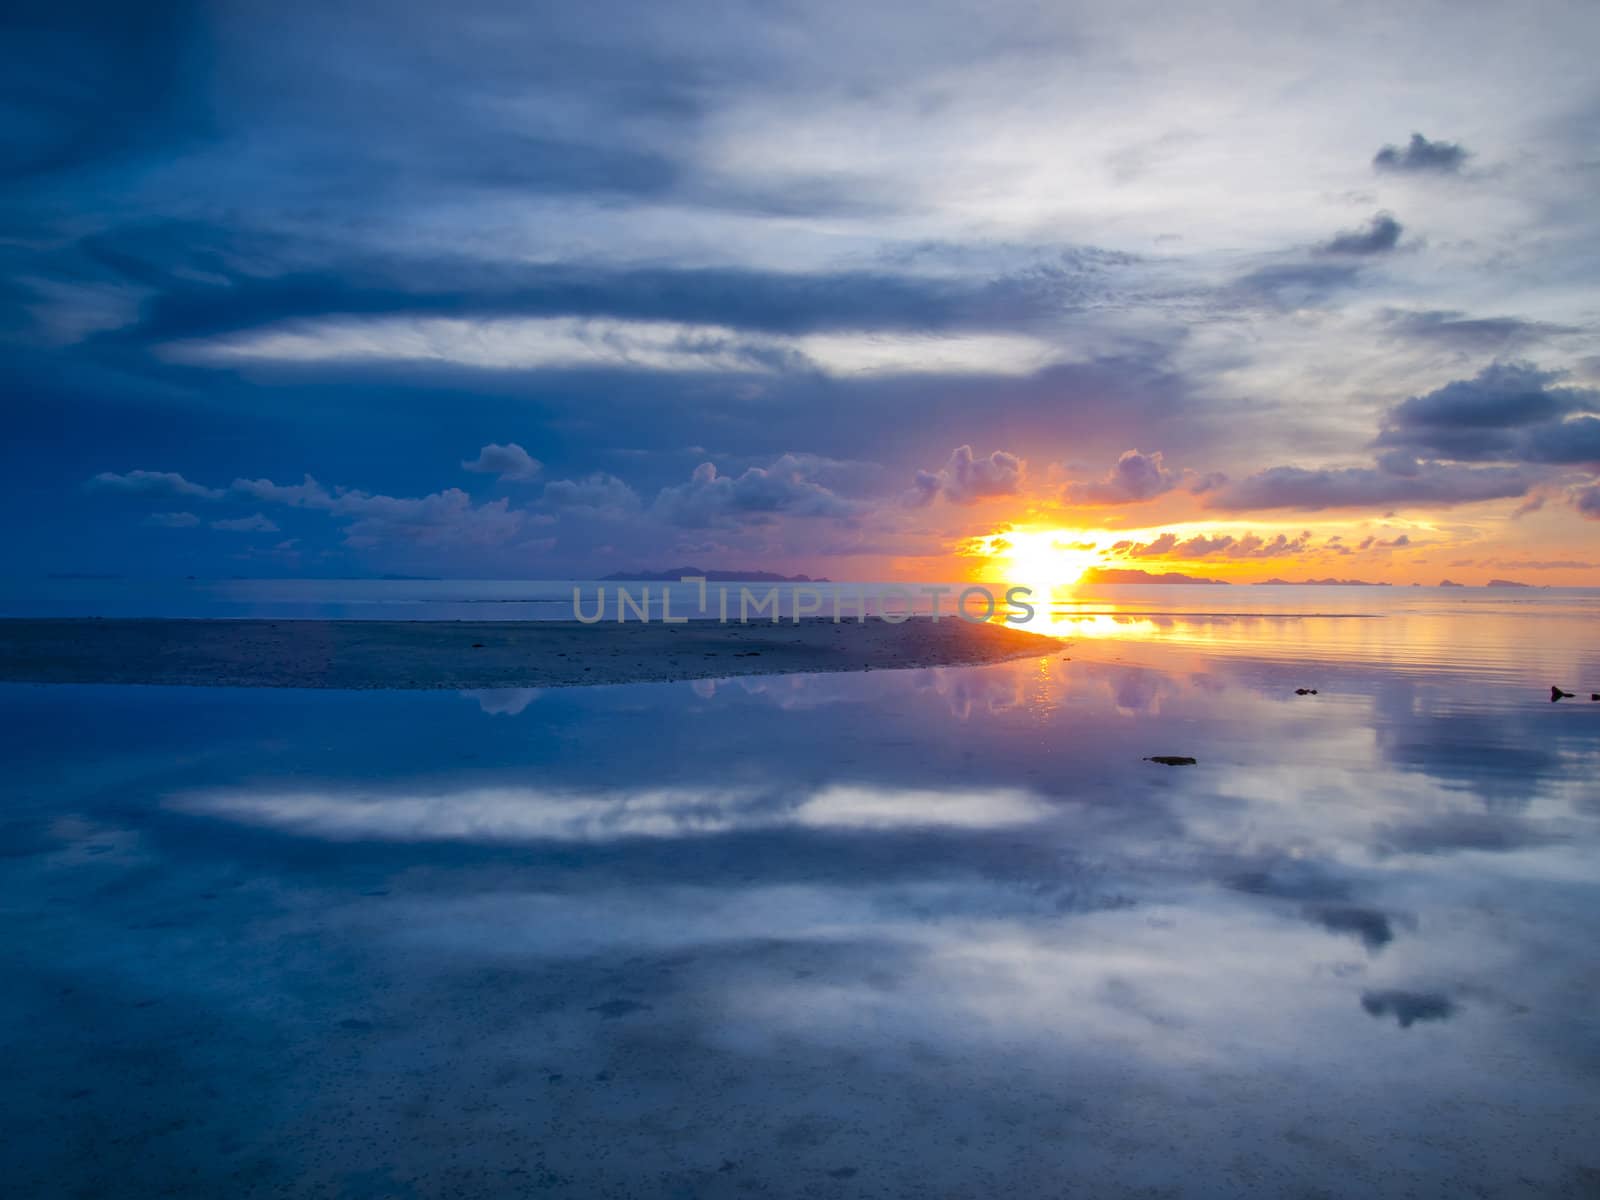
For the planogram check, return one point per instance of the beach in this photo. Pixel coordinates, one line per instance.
(482, 654)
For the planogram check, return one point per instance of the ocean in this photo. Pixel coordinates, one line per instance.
(905, 933)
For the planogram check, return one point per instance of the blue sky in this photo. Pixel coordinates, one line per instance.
(535, 290)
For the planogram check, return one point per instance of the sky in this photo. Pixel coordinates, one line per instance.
(894, 291)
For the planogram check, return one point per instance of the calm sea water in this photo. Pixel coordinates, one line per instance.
(906, 933)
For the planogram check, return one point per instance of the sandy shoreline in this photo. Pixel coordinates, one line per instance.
(479, 654)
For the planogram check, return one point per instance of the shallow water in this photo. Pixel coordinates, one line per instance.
(922, 933)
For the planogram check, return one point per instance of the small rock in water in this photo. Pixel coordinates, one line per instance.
(1594, 695)
(1172, 760)
(1557, 694)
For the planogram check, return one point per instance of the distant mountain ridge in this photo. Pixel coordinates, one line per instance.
(678, 573)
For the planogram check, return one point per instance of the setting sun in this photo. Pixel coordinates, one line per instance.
(1044, 558)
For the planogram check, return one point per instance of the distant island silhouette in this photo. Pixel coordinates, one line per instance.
(1130, 575)
(1328, 582)
(678, 573)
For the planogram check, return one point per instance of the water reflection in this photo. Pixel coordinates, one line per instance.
(913, 932)
(504, 814)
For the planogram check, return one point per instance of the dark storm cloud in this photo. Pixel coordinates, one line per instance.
(1378, 236)
(1420, 154)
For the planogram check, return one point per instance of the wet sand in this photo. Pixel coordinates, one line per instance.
(480, 654)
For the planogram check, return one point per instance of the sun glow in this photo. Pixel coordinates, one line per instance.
(1044, 559)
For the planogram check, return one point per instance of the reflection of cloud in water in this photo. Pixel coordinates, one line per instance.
(502, 702)
(1503, 757)
(966, 691)
(1451, 831)
(501, 814)
(948, 901)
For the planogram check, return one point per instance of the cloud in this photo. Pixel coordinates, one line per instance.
(172, 520)
(1420, 154)
(1587, 501)
(1371, 925)
(1458, 331)
(764, 240)
(209, 284)
(755, 497)
(1290, 286)
(1366, 487)
(446, 520)
(1161, 547)
(1135, 477)
(1380, 235)
(1508, 412)
(597, 493)
(252, 524)
(306, 494)
(966, 479)
(510, 462)
(1224, 545)
(443, 520)
(164, 485)
(1407, 1008)
(607, 344)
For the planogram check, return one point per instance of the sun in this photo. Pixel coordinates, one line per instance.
(1045, 559)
